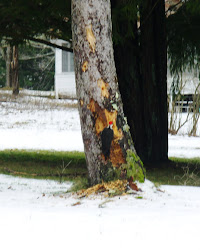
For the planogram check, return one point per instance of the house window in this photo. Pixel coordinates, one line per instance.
(67, 61)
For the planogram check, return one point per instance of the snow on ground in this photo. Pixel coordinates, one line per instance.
(38, 214)
(35, 214)
(182, 145)
(37, 123)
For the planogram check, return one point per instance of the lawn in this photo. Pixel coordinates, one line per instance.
(63, 166)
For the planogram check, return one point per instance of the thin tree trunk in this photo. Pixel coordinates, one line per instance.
(8, 66)
(15, 70)
(98, 94)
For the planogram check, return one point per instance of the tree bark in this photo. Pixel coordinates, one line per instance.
(98, 94)
(15, 70)
(142, 67)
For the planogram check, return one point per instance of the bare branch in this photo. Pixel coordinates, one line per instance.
(50, 44)
(36, 57)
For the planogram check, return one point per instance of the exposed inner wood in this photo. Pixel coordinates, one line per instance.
(102, 118)
(104, 88)
(91, 38)
(85, 66)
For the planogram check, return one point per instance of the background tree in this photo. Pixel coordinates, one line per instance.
(98, 95)
(10, 55)
(2, 66)
(36, 66)
(8, 59)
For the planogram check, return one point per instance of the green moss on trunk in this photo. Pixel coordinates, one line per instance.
(134, 167)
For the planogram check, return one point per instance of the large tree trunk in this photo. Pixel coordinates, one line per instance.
(141, 67)
(98, 94)
(154, 73)
(127, 58)
(15, 70)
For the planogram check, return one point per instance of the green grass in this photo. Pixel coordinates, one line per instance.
(63, 166)
(176, 171)
(43, 164)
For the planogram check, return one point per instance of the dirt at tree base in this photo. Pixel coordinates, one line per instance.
(113, 188)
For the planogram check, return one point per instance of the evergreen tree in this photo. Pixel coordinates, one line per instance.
(140, 56)
(183, 29)
(27, 20)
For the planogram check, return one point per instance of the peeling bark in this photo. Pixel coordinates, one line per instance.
(97, 90)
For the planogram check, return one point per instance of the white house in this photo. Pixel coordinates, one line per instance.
(65, 78)
(64, 73)
(188, 87)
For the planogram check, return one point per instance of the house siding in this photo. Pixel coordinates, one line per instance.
(65, 86)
